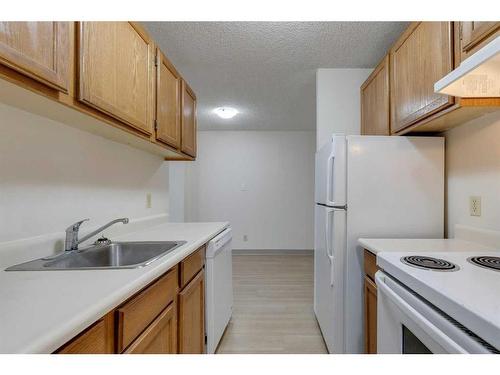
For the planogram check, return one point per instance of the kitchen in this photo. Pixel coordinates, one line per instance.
(249, 192)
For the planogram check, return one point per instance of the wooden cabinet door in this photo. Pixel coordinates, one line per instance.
(421, 56)
(116, 71)
(188, 121)
(375, 101)
(192, 317)
(97, 339)
(475, 34)
(39, 50)
(160, 337)
(370, 316)
(168, 102)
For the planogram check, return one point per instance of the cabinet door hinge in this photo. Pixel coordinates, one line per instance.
(156, 60)
(460, 31)
(206, 340)
(156, 124)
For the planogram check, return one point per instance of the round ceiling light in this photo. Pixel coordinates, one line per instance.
(226, 112)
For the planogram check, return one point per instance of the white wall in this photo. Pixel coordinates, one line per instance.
(338, 102)
(177, 187)
(473, 169)
(52, 174)
(262, 182)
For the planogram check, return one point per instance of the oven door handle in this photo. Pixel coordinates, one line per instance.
(448, 344)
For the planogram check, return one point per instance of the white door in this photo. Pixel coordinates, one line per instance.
(329, 248)
(330, 173)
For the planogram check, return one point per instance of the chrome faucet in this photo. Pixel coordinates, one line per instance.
(72, 240)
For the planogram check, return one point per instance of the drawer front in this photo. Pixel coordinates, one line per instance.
(137, 313)
(160, 337)
(191, 266)
(370, 264)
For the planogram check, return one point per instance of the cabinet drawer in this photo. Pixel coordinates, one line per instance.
(137, 313)
(191, 266)
(160, 337)
(370, 264)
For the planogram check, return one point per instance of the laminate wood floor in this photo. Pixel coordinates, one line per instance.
(273, 306)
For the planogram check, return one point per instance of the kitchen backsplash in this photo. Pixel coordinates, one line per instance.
(473, 169)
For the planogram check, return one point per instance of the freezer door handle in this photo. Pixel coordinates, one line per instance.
(329, 179)
(328, 221)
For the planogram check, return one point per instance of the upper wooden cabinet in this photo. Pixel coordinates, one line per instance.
(39, 50)
(421, 56)
(116, 62)
(475, 34)
(168, 102)
(375, 101)
(188, 120)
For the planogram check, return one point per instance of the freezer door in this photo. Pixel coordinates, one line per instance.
(330, 171)
(329, 249)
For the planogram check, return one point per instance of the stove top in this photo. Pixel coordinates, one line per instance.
(470, 294)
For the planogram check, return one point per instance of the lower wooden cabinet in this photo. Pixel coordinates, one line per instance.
(165, 317)
(370, 316)
(97, 339)
(160, 337)
(192, 316)
(370, 301)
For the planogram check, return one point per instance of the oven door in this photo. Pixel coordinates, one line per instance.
(408, 324)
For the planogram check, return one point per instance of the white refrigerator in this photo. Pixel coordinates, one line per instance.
(368, 186)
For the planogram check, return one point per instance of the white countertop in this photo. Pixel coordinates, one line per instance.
(41, 310)
(417, 245)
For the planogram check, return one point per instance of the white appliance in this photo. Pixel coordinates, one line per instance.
(368, 186)
(218, 287)
(452, 307)
(476, 76)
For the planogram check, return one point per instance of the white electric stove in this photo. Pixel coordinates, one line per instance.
(446, 302)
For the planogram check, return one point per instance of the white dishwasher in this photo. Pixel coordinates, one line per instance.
(218, 287)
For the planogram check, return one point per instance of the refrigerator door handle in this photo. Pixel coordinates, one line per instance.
(329, 179)
(329, 215)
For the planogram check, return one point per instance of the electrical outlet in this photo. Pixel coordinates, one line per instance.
(148, 200)
(475, 206)
(245, 238)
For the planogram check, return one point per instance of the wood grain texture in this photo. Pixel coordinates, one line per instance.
(370, 261)
(168, 102)
(192, 316)
(40, 50)
(420, 57)
(370, 289)
(474, 35)
(190, 266)
(273, 306)
(375, 111)
(97, 339)
(139, 311)
(116, 61)
(161, 335)
(188, 120)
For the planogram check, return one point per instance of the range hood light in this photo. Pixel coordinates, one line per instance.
(476, 77)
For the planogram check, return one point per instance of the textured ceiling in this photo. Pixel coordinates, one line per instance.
(267, 69)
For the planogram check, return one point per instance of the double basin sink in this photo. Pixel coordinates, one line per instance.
(115, 255)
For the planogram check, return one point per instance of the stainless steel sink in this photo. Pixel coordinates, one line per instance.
(113, 255)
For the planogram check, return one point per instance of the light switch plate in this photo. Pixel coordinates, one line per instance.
(148, 200)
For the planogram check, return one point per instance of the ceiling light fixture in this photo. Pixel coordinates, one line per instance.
(226, 112)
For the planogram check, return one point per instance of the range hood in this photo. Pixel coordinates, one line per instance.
(476, 77)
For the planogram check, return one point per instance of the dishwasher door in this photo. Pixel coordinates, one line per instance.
(218, 287)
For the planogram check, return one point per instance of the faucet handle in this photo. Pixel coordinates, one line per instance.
(74, 227)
